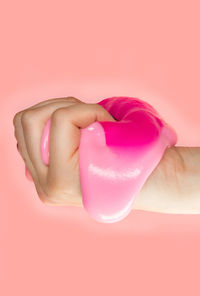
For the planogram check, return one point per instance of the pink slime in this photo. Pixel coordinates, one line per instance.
(116, 158)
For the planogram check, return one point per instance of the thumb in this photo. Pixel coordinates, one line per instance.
(65, 134)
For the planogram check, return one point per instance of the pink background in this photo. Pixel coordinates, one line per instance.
(93, 50)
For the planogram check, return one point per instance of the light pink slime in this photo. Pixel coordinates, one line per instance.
(116, 158)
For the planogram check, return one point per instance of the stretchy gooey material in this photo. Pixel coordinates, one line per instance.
(116, 158)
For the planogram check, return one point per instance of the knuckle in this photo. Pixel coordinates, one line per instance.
(17, 117)
(60, 113)
(73, 99)
(27, 117)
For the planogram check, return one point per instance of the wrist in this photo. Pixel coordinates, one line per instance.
(173, 186)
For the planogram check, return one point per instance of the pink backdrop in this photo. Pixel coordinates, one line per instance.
(93, 50)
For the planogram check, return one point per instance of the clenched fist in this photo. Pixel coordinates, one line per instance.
(59, 182)
(172, 187)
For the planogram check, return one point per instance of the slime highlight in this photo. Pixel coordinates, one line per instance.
(116, 158)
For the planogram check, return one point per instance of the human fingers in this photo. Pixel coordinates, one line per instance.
(66, 122)
(56, 100)
(42, 103)
(22, 149)
(20, 134)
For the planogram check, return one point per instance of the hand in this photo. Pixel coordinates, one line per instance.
(58, 183)
(172, 187)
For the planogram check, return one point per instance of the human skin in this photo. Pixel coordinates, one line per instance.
(172, 187)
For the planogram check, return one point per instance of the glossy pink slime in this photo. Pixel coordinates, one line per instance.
(116, 158)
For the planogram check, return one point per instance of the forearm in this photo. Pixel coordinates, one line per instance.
(174, 185)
